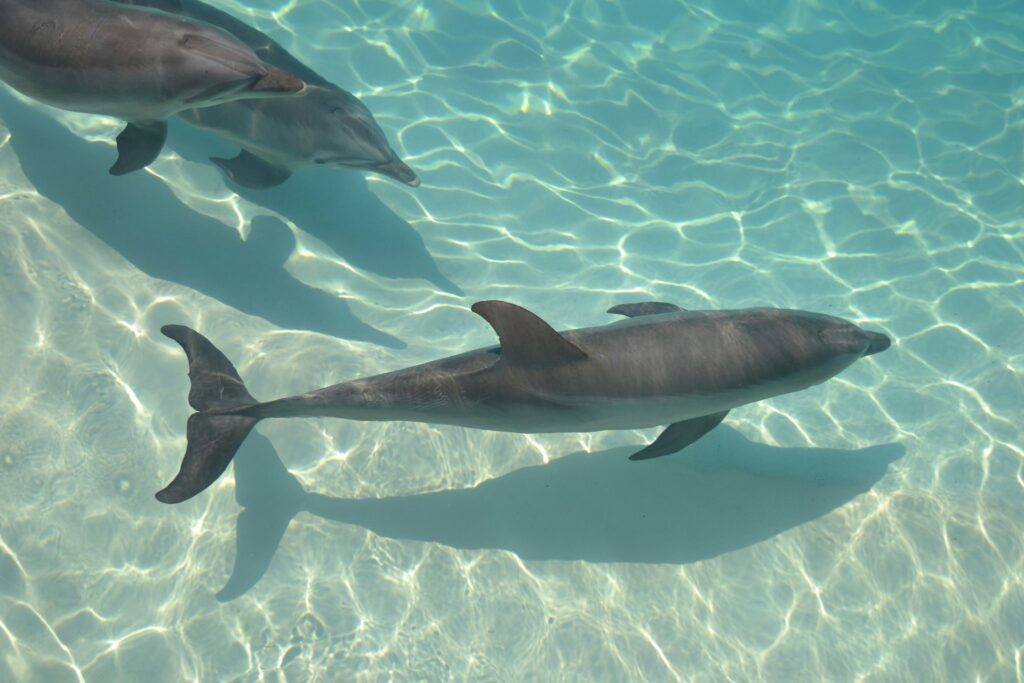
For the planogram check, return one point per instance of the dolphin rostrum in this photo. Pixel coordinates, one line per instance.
(663, 366)
(327, 126)
(137, 64)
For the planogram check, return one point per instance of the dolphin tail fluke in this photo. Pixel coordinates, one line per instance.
(219, 428)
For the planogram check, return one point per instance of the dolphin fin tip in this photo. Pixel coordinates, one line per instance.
(138, 145)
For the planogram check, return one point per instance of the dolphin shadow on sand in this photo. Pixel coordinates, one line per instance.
(336, 207)
(724, 494)
(139, 217)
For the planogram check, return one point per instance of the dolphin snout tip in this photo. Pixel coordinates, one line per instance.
(400, 171)
(877, 342)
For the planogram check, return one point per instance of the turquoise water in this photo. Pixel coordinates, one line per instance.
(842, 157)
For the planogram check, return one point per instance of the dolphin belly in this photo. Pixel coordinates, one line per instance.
(635, 414)
(502, 410)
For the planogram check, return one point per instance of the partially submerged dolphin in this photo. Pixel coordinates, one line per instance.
(328, 126)
(664, 365)
(137, 64)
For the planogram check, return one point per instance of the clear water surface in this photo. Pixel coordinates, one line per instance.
(856, 157)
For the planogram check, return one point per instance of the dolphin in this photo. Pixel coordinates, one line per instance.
(663, 365)
(325, 127)
(328, 126)
(136, 64)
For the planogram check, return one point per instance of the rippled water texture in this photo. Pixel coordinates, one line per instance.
(833, 156)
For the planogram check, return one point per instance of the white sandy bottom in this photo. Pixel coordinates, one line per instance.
(638, 162)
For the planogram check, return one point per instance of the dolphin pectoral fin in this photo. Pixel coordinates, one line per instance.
(248, 170)
(138, 145)
(679, 435)
(645, 308)
(524, 337)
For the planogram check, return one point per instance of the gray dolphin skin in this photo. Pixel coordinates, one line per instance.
(137, 64)
(327, 126)
(662, 366)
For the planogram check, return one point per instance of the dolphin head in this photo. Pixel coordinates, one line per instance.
(351, 137)
(877, 342)
(842, 337)
(798, 349)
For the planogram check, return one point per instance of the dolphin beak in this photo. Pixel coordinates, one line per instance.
(397, 169)
(877, 342)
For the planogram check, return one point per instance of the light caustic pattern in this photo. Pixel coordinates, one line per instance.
(838, 157)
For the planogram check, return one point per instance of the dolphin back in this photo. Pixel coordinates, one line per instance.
(265, 47)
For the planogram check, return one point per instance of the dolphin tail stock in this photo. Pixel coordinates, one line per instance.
(219, 426)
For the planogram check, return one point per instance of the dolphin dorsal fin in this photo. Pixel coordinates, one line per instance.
(524, 337)
(645, 308)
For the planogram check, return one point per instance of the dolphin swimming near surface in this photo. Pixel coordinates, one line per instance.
(663, 365)
(136, 64)
(328, 126)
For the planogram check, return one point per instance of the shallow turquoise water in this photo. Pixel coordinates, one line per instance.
(841, 157)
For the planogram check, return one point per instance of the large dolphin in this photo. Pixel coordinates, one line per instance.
(663, 366)
(137, 64)
(328, 126)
